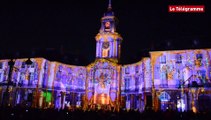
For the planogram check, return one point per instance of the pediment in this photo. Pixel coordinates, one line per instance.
(102, 63)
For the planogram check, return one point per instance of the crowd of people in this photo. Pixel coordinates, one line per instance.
(20, 113)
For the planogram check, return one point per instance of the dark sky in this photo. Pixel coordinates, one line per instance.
(47, 29)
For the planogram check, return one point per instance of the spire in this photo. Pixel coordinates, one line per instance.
(109, 5)
(109, 10)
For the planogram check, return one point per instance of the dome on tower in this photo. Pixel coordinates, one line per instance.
(109, 13)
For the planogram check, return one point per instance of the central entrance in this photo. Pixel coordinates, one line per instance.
(103, 87)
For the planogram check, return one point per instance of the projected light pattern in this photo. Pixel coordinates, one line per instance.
(179, 79)
(103, 82)
(179, 70)
(69, 77)
(4, 71)
(134, 76)
(26, 75)
(187, 65)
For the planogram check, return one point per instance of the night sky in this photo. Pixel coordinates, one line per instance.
(65, 31)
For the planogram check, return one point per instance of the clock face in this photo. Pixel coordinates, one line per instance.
(107, 25)
(105, 45)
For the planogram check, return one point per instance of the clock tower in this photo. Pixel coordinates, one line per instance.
(108, 41)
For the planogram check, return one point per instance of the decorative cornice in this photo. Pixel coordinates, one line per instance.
(102, 61)
(105, 35)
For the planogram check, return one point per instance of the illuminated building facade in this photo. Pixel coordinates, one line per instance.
(181, 79)
(178, 80)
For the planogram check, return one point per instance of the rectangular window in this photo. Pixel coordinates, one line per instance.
(178, 58)
(137, 68)
(199, 56)
(23, 65)
(127, 84)
(137, 83)
(163, 59)
(32, 65)
(157, 71)
(127, 70)
(1, 65)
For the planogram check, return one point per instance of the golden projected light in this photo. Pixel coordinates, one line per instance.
(102, 99)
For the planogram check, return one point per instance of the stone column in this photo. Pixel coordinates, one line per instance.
(63, 94)
(40, 99)
(154, 57)
(194, 100)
